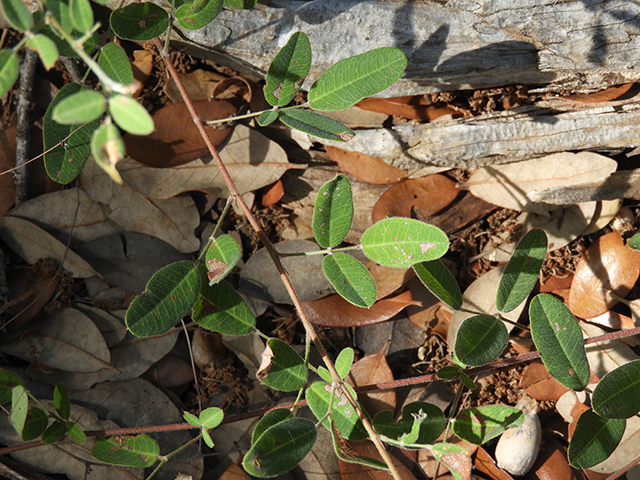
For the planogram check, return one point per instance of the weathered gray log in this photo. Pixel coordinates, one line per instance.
(459, 44)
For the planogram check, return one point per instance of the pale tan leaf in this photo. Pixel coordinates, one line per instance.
(371, 370)
(354, 117)
(252, 159)
(199, 84)
(369, 169)
(508, 185)
(606, 211)
(32, 243)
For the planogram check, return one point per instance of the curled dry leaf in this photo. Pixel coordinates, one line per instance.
(335, 311)
(265, 364)
(272, 194)
(538, 383)
(371, 170)
(176, 139)
(607, 266)
(371, 370)
(415, 107)
(427, 196)
(602, 96)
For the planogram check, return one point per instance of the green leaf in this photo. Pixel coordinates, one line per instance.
(211, 417)
(192, 419)
(480, 424)
(594, 439)
(35, 425)
(60, 10)
(207, 438)
(350, 278)
(352, 79)
(75, 433)
(316, 125)
(617, 395)
(421, 424)
(61, 401)
(325, 374)
(280, 448)
(333, 212)
(446, 373)
(480, 339)
(522, 271)
(77, 108)
(558, 337)
(268, 420)
(634, 242)
(454, 457)
(81, 14)
(130, 115)
(220, 308)
(466, 381)
(107, 148)
(439, 280)
(288, 70)
(63, 47)
(169, 296)
(8, 380)
(17, 14)
(139, 451)
(115, 63)
(45, 47)
(402, 242)
(221, 257)
(343, 414)
(345, 454)
(9, 65)
(19, 408)
(54, 432)
(240, 4)
(286, 371)
(268, 117)
(198, 14)
(139, 21)
(344, 361)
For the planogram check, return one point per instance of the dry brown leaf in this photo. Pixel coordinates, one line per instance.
(252, 159)
(33, 243)
(371, 370)
(424, 196)
(7, 161)
(606, 95)
(335, 311)
(539, 384)
(272, 194)
(429, 464)
(234, 472)
(552, 464)
(31, 294)
(607, 266)
(354, 117)
(465, 210)
(508, 185)
(415, 107)
(171, 371)
(176, 140)
(388, 279)
(354, 471)
(430, 316)
(487, 465)
(372, 170)
(199, 84)
(142, 66)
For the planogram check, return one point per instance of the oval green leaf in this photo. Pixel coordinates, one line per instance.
(280, 448)
(8, 380)
(617, 395)
(75, 433)
(60, 10)
(220, 308)
(9, 65)
(240, 4)
(286, 370)
(558, 337)
(448, 372)
(344, 361)
(169, 296)
(466, 381)
(333, 212)
(288, 70)
(19, 408)
(211, 417)
(480, 339)
(54, 432)
(63, 47)
(198, 14)
(350, 278)
(130, 115)
(421, 424)
(522, 271)
(81, 14)
(115, 63)
(344, 415)
(480, 424)
(191, 419)
(77, 108)
(402, 242)
(634, 242)
(35, 424)
(17, 14)
(139, 451)
(45, 47)
(268, 117)
(315, 124)
(61, 401)
(352, 79)
(268, 420)
(438, 279)
(139, 21)
(223, 254)
(594, 439)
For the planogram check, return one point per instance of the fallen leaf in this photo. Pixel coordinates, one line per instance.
(7, 161)
(272, 194)
(605, 95)
(112, 329)
(171, 371)
(607, 266)
(355, 117)
(335, 311)
(508, 185)
(248, 348)
(233, 472)
(606, 356)
(430, 316)
(426, 196)
(176, 140)
(616, 321)
(142, 66)
(430, 465)
(487, 465)
(31, 295)
(265, 364)
(371, 370)
(33, 243)
(354, 471)
(372, 170)
(388, 279)
(539, 384)
(415, 107)
(199, 84)
(252, 160)
(463, 211)
(552, 464)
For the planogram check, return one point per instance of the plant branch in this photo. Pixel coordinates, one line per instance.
(23, 132)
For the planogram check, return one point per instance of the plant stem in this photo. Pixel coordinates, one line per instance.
(212, 237)
(326, 251)
(234, 118)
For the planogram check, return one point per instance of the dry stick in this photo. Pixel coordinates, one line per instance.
(276, 259)
(23, 132)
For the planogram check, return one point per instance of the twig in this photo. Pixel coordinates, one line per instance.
(23, 132)
(72, 69)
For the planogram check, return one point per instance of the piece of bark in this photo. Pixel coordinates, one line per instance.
(454, 45)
